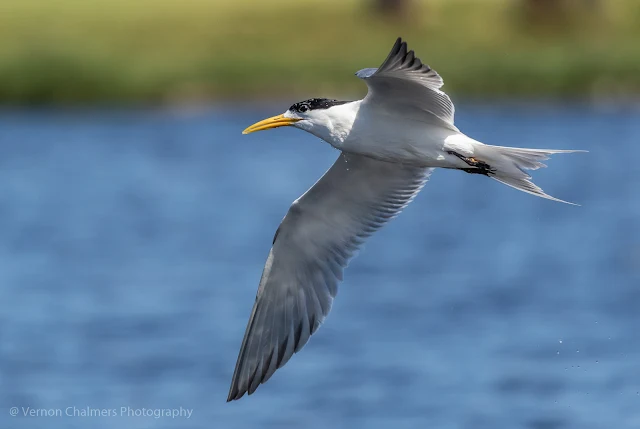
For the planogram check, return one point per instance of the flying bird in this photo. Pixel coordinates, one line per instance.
(390, 142)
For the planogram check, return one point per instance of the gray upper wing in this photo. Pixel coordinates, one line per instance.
(320, 233)
(404, 82)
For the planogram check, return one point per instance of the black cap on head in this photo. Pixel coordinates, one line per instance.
(315, 104)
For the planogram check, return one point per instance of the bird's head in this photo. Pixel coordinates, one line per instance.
(316, 115)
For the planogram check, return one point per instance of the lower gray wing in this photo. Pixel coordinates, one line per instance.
(404, 84)
(316, 239)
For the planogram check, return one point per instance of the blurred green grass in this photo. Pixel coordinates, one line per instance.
(157, 51)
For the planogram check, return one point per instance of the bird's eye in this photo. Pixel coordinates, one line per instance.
(303, 108)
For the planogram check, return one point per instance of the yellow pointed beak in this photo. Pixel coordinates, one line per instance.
(273, 122)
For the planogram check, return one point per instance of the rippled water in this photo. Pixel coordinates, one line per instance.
(131, 244)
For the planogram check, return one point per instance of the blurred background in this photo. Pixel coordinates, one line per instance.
(169, 51)
(135, 219)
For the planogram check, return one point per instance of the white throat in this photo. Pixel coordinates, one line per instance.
(333, 124)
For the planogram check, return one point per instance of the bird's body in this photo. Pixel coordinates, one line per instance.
(390, 142)
(361, 128)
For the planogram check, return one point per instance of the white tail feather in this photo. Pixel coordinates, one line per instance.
(509, 164)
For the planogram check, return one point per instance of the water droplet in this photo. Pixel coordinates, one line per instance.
(577, 351)
(596, 361)
(560, 341)
(558, 352)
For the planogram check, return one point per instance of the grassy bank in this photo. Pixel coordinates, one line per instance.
(78, 51)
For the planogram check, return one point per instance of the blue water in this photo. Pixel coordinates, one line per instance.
(132, 242)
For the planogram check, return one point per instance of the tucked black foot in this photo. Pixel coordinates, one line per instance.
(476, 171)
(478, 167)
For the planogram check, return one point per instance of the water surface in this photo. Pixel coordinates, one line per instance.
(132, 242)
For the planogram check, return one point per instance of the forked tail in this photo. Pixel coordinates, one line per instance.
(508, 165)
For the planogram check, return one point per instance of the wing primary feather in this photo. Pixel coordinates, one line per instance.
(395, 50)
(269, 371)
(289, 347)
(313, 324)
(409, 59)
(253, 381)
(305, 330)
(273, 339)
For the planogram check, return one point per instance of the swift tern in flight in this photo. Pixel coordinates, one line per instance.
(390, 142)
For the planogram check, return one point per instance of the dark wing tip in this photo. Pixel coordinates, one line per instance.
(396, 49)
(397, 54)
(242, 384)
(396, 45)
(402, 59)
(234, 391)
(233, 394)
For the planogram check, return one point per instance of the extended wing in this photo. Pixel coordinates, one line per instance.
(404, 83)
(312, 246)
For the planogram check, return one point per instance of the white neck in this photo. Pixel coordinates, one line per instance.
(334, 124)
